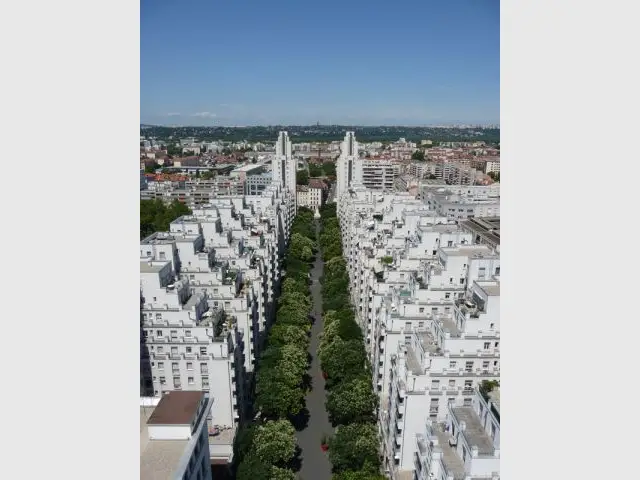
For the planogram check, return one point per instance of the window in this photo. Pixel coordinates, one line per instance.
(487, 345)
(407, 325)
(485, 365)
(174, 350)
(163, 381)
(174, 333)
(495, 363)
(192, 277)
(447, 309)
(189, 365)
(162, 255)
(190, 380)
(158, 333)
(497, 270)
(491, 326)
(452, 384)
(467, 402)
(205, 382)
(434, 252)
(452, 364)
(420, 324)
(434, 310)
(176, 382)
(160, 349)
(161, 365)
(496, 345)
(481, 272)
(204, 369)
(187, 333)
(421, 310)
(203, 350)
(215, 290)
(227, 304)
(175, 366)
(451, 280)
(447, 295)
(468, 384)
(450, 243)
(158, 315)
(468, 366)
(154, 299)
(435, 385)
(189, 349)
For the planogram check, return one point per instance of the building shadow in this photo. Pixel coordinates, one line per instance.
(301, 420)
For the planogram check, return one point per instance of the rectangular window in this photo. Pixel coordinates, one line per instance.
(161, 365)
(189, 366)
(452, 384)
(468, 366)
(190, 380)
(421, 310)
(468, 384)
(452, 364)
(189, 349)
(447, 295)
(435, 385)
(160, 349)
(158, 333)
(485, 365)
(487, 345)
(204, 369)
(174, 350)
(203, 350)
(205, 382)
(187, 333)
(163, 381)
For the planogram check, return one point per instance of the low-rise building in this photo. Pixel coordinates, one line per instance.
(174, 438)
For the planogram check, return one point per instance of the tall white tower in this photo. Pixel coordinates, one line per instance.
(348, 168)
(284, 165)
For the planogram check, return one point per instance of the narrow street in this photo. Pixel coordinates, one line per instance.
(315, 462)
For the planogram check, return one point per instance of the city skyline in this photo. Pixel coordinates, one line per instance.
(371, 65)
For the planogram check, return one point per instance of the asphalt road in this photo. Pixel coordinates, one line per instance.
(315, 462)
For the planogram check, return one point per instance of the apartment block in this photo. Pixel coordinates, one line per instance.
(174, 439)
(459, 202)
(466, 445)
(427, 300)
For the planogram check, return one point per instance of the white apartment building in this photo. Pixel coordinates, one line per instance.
(459, 202)
(308, 196)
(466, 445)
(427, 300)
(347, 166)
(378, 174)
(174, 439)
(283, 166)
(207, 298)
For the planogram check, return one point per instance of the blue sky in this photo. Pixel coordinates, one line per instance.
(366, 62)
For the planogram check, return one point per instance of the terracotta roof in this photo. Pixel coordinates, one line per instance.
(176, 408)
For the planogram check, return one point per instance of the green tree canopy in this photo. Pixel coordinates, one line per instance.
(282, 334)
(357, 475)
(355, 447)
(343, 360)
(252, 467)
(418, 155)
(155, 215)
(352, 401)
(275, 443)
(302, 177)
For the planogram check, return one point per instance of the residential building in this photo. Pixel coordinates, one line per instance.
(256, 183)
(309, 196)
(379, 174)
(347, 171)
(174, 438)
(427, 300)
(487, 164)
(459, 202)
(466, 445)
(283, 164)
(484, 230)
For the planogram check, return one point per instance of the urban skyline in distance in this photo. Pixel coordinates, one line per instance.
(329, 64)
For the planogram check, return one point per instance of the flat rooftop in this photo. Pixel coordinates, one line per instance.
(452, 462)
(448, 325)
(492, 290)
(474, 433)
(146, 267)
(473, 251)
(158, 458)
(176, 408)
(427, 342)
(412, 362)
(486, 227)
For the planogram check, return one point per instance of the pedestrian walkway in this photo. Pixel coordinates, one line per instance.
(315, 462)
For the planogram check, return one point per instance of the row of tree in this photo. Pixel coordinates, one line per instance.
(267, 448)
(351, 402)
(156, 215)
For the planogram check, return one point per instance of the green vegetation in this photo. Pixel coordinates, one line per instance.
(151, 168)
(302, 177)
(329, 169)
(495, 176)
(173, 150)
(388, 260)
(267, 448)
(351, 402)
(155, 215)
(324, 133)
(315, 170)
(418, 155)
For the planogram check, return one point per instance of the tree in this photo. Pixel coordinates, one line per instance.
(281, 474)
(358, 475)
(277, 398)
(155, 215)
(243, 442)
(329, 169)
(343, 360)
(302, 177)
(283, 334)
(352, 401)
(315, 170)
(495, 176)
(355, 447)
(418, 155)
(275, 442)
(151, 168)
(252, 467)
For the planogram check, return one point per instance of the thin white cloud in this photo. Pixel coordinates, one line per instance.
(173, 114)
(204, 115)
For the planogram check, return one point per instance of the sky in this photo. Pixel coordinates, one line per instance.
(354, 62)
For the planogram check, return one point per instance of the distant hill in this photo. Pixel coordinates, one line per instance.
(326, 133)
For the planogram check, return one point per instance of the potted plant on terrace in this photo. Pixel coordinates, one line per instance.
(324, 442)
